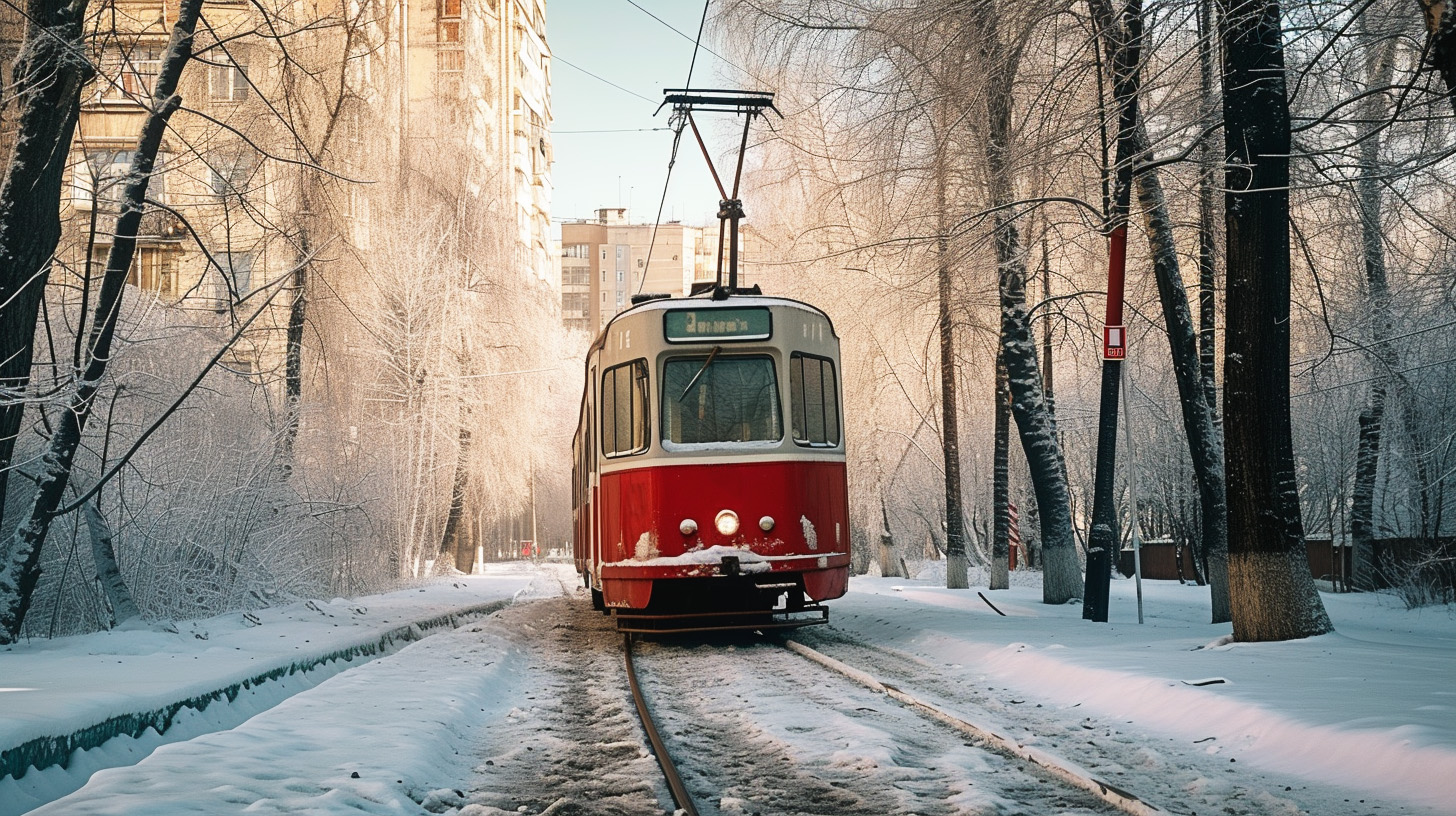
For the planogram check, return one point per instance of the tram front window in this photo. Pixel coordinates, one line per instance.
(714, 398)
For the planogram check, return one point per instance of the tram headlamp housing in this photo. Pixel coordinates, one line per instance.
(766, 523)
(687, 527)
(726, 522)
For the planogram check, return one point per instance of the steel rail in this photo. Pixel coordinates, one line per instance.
(1068, 772)
(669, 770)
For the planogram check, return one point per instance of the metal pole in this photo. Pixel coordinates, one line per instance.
(1137, 543)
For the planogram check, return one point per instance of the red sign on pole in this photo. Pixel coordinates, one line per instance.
(1114, 342)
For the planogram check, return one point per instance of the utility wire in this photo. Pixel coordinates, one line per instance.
(676, 139)
(696, 43)
(619, 130)
(563, 61)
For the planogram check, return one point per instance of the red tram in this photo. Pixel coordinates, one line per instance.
(709, 476)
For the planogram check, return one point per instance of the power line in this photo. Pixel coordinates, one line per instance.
(618, 130)
(1338, 386)
(676, 138)
(563, 61)
(696, 43)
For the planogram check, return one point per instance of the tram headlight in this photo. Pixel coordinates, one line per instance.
(687, 527)
(766, 523)
(726, 522)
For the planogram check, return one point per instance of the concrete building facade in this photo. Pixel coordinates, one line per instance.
(608, 259)
(234, 201)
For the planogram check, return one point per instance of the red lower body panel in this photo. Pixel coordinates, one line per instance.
(804, 505)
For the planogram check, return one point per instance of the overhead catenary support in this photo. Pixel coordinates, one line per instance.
(730, 208)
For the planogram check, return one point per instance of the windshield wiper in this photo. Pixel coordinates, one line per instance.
(694, 380)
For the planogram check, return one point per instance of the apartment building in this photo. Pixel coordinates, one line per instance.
(236, 206)
(607, 259)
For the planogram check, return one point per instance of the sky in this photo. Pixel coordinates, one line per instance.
(623, 46)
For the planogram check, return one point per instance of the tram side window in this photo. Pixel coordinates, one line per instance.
(624, 409)
(813, 393)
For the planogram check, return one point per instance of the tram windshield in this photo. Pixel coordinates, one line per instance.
(711, 398)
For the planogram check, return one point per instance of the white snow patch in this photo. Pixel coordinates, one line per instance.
(646, 547)
(748, 560)
(810, 537)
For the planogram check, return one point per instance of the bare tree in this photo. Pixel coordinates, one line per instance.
(19, 569)
(48, 77)
(1271, 593)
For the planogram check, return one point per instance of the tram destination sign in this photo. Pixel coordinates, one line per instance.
(698, 325)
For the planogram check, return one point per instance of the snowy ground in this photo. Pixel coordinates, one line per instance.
(524, 711)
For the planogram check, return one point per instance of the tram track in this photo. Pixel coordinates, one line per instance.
(773, 766)
(752, 727)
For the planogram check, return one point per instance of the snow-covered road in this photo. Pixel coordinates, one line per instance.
(526, 711)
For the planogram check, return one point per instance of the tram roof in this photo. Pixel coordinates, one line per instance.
(662, 304)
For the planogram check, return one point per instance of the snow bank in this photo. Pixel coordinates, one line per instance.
(1371, 707)
(72, 706)
(403, 742)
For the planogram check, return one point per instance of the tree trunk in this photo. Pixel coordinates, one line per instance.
(956, 561)
(451, 542)
(47, 77)
(108, 572)
(1380, 67)
(1205, 444)
(1441, 42)
(1207, 211)
(1001, 482)
(891, 565)
(1213, 542)
(1271, 593)
(297, 317)
(1061, 574)
(20, 568)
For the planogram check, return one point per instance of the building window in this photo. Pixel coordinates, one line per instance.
(101, 176)
(814, 400)
(619, 275)
(230, 172)
(451, 57)
(227, 82)
(232, 278)
(130, 74)
(576, 251)
(624, 409)
(574, 304)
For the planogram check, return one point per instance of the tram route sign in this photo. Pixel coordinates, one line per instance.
(700, 325)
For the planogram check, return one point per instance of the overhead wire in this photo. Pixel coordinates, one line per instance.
(680, 121)
(567, 63)
(696, 43)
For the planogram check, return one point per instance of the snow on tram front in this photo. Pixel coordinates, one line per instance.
(709, 477)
